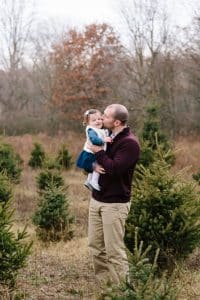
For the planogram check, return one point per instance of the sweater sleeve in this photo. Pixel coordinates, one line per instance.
(94, 138)
(126, 156)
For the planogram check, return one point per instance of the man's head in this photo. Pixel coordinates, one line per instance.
(115, 117)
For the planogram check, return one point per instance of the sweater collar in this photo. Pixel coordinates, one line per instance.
(122, 133)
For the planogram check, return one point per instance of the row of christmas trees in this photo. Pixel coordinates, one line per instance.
(164, 214)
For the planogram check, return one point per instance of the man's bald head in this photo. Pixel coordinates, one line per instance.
(119, 112)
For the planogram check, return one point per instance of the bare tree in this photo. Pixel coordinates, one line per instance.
(16, 20)
(151, 62)
(148, 33)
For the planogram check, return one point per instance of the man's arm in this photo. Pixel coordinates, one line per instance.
(126, 155)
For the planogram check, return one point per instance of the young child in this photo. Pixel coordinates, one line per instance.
(97, 136)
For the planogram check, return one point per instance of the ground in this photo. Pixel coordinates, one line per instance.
(63, 270)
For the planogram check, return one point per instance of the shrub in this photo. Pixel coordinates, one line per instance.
(5, 189)
(10, 162)
(47, 178)
(52, 218)
(50, 163)
(13, 251)
(152, 136)
(64, 159)
(197, 177)
(152, 126)
(37, 156)
(166, 212)
(143, 282)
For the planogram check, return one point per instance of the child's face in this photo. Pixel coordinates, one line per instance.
(95, 120)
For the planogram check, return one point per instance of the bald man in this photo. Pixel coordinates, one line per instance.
(109, 207)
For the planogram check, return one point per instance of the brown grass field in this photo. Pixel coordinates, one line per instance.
(63, 270)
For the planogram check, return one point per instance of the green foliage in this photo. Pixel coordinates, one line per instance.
(50, 163)
(197, 177)
(166, 212)
(10, 162)
(47, 178)
(37, 156)
(13, 250)
(64, 159)
(52, 218)
(143, 282)
(152, 136)
(147, 155)
(152, 126)
(5, 189)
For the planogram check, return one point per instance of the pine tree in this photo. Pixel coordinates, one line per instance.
(47, 178)
(52, 218)
(143, 282)
(64, 159)
(196, 177)
(37, 156)
(152, 136)
(166, 212)
(10, 162)
(13, 250)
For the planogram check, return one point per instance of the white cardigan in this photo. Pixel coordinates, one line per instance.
(102, 133)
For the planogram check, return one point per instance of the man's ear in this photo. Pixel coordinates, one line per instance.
(117, 123)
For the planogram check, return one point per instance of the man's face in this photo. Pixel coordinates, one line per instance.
(108, 119)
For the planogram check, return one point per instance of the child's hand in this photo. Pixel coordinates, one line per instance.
(108, 139)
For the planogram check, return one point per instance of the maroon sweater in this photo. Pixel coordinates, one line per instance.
(119, 162)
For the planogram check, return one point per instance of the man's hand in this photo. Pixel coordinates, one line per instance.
(98, 168)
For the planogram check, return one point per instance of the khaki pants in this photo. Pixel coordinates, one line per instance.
(106, 240)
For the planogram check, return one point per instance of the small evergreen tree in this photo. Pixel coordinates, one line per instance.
(10, 162)
(13, 251)
(51, 163)
(152, 136)
(64, 159)
(152, 126)
(196, 177)
(166, 212)
(143, 282)
(47, 178)
(52, 218)
(37, 156)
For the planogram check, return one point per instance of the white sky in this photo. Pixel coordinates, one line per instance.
(77, 12)
(80, 12)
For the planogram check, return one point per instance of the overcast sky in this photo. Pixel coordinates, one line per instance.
(80, 12)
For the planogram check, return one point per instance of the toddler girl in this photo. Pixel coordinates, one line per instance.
(97, 136)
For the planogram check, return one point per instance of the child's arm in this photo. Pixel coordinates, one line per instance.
(94, 138)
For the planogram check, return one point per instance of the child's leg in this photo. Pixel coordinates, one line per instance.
(94, 181)
(88, 180)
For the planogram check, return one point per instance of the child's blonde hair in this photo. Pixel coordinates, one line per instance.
(87, 114)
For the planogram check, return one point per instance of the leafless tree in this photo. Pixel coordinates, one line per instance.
(16, 20)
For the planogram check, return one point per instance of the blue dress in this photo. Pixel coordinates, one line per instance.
(86, 159)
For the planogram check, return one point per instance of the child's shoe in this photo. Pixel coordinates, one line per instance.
(88, 185)
(95, 185)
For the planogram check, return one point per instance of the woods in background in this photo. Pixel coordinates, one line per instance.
(48, 78)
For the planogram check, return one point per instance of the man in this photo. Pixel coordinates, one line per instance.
(109, 207)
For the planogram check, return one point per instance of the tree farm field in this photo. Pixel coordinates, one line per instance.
(63, 270)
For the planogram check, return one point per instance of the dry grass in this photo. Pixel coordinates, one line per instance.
(187, 156)
(63, 270)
